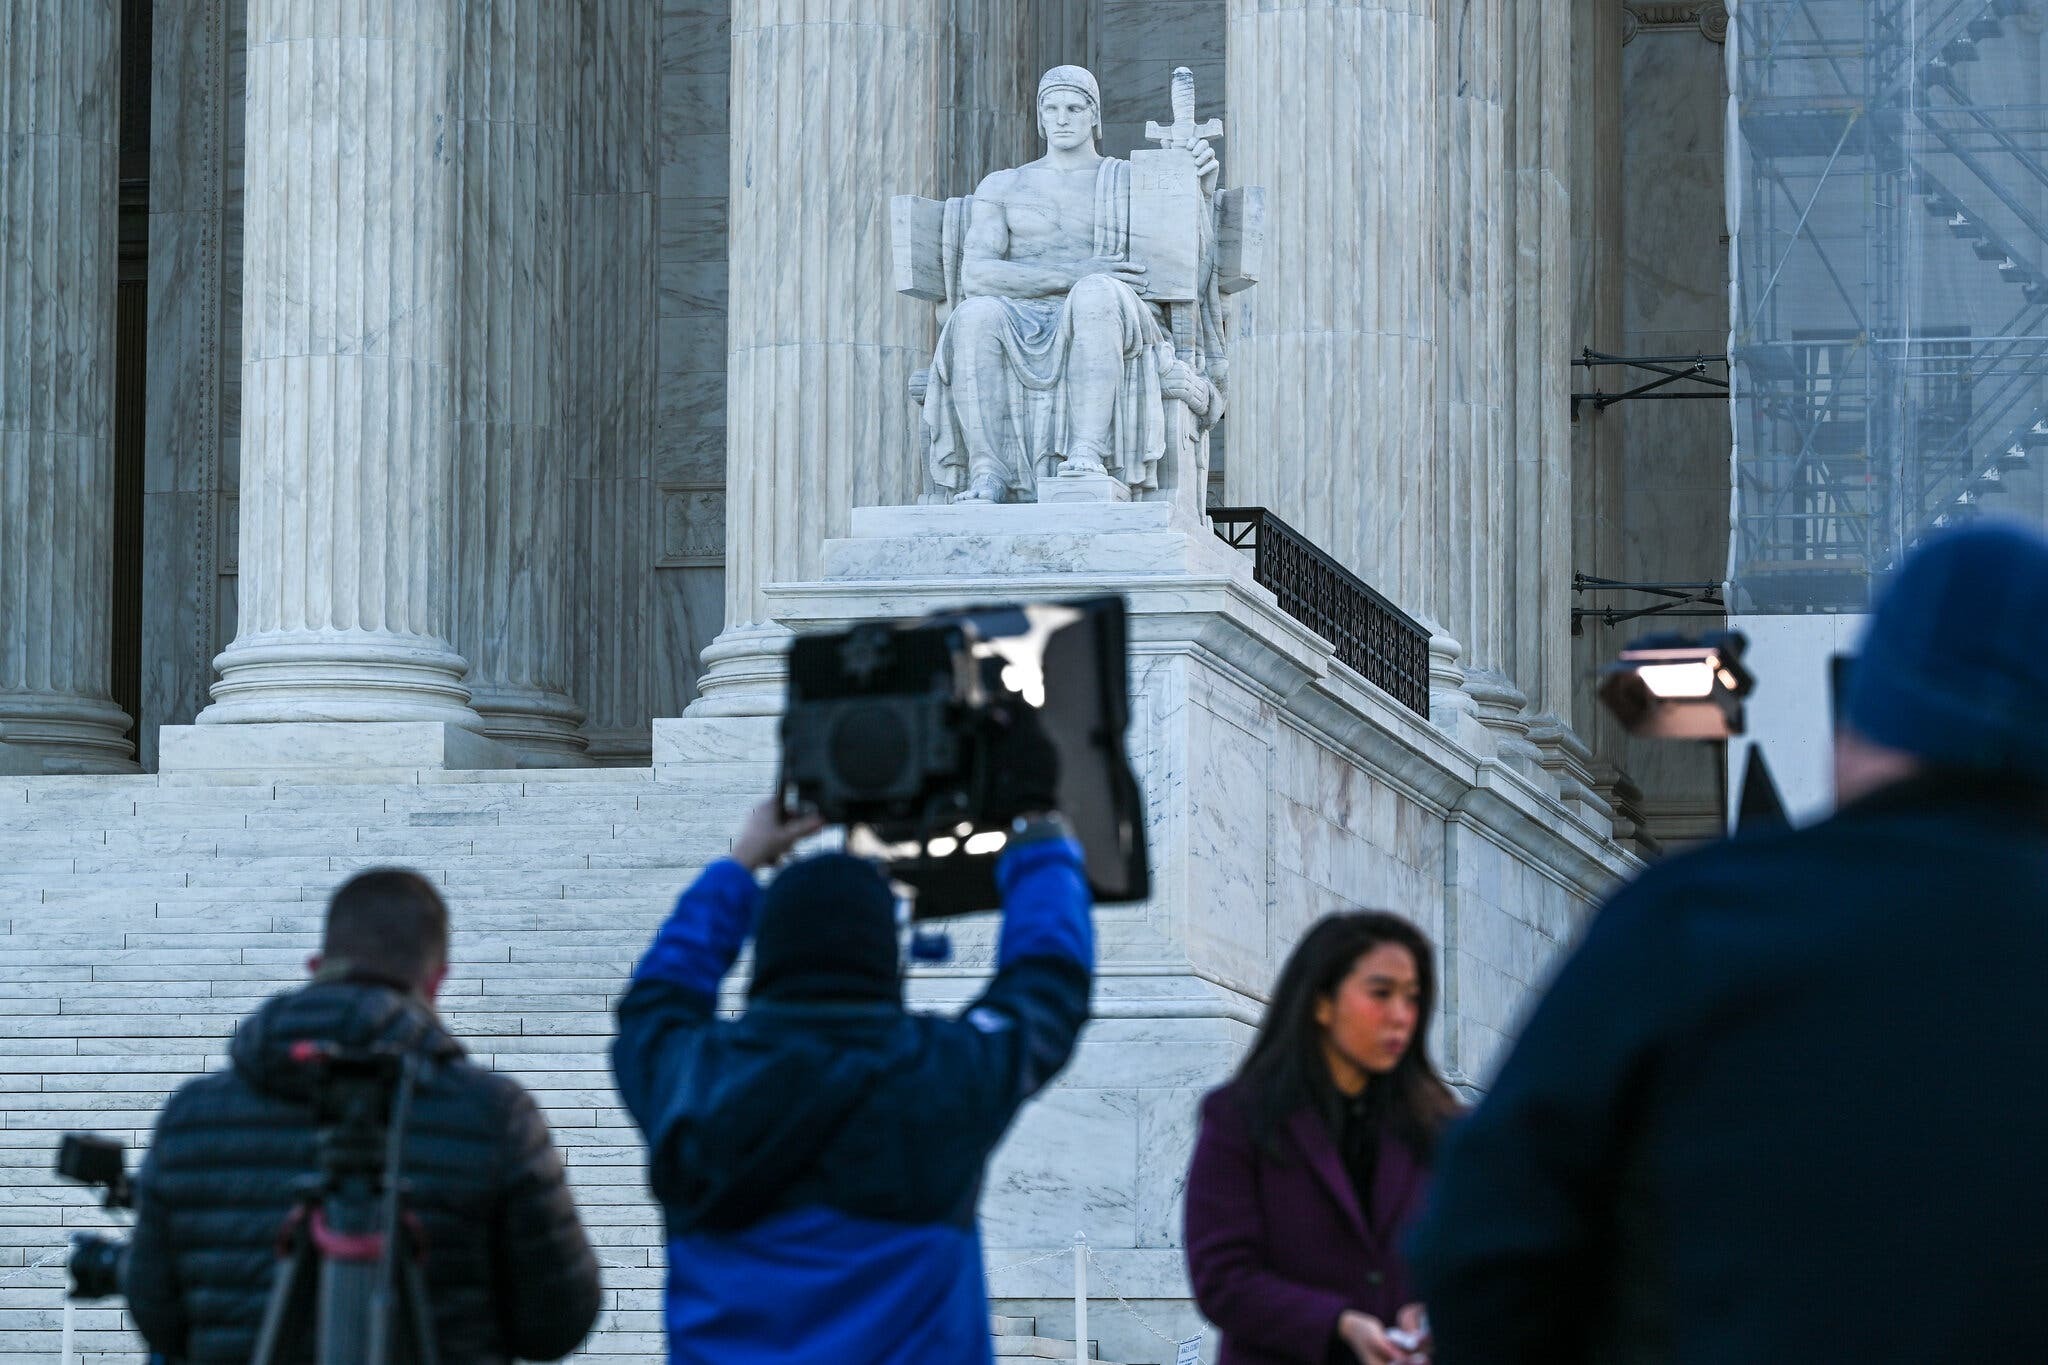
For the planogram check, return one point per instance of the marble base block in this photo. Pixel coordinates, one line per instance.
(743, 749)
(19, 762)
(329, 744)
(1065, 488)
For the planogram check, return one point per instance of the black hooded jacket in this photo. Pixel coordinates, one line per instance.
(509, 1271)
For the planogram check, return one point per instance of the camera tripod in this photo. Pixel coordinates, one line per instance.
(349, 1257)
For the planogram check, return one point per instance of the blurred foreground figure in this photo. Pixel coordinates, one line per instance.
(818, 1160)
(1786, 1102)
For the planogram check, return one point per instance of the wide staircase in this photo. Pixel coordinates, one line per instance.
(142, 917)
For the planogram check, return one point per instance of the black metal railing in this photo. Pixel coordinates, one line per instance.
(1385, 644)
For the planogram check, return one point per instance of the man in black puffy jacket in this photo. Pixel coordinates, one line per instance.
(508, 1269)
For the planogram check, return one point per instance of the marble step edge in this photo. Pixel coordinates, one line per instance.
(1044, 1348)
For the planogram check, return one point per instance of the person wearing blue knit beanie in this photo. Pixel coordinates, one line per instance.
(1785, 1100)
(1953, 673)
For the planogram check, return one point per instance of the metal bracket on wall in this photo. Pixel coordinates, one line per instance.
(1675, 599)
(1672, 369)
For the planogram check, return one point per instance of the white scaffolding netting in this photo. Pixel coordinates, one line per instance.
(1888, 209)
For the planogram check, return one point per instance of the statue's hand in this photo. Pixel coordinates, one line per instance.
(1130, 272)
(1206, 164)
(1177, 379)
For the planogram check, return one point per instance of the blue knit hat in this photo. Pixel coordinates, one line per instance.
(1954, 668)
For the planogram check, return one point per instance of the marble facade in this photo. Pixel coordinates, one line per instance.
(529, 440)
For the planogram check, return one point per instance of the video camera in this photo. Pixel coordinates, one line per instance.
(95, 1261)
(910, 733)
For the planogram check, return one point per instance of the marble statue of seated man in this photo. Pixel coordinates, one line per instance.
(1052, 361)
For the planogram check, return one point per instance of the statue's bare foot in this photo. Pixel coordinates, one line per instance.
(983, 488)
(1082, 460)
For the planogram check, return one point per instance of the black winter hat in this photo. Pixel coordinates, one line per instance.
(827, 931)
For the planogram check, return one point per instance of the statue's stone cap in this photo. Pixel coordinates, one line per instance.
(1072, 78)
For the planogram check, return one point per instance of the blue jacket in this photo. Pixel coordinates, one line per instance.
(818, 1165)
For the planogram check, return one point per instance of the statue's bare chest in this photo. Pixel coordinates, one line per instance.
(1051, 213)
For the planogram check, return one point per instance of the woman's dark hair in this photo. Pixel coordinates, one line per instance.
(1286, 1071)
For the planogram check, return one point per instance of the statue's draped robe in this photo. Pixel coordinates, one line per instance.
(1001, 368)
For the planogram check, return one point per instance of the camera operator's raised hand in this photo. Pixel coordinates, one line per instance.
(770, 834)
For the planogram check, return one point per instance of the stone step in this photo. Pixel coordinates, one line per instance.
(1023, 1348)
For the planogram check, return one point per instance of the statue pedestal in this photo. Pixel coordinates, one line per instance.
(1280, 786)
(1083, 488)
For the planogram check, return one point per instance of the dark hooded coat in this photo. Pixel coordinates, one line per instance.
(508, 1269)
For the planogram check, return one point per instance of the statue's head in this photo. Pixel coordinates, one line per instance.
(1069, 107)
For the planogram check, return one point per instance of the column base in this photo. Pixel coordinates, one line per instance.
(543, 727)
(1451, 708)
(1570, 764)
(1624, 800)
(745, 673)
(297, 745)
(296, 677)
(16, 762)
(54, 733)
(1501, 709)
(621, 748)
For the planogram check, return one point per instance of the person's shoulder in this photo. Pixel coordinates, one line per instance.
(1681, 876)
(203, 1099)
(1226, 1106)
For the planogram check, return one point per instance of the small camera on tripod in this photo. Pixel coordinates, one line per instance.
(95, 1261)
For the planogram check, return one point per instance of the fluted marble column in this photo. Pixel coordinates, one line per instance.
(1597, 275)
(985, 69)
(1540, 598)
(835, 107)
(1334, 363)
(59, 139)
(1062, 34)
(348, 338)
(511, 477)
(612, 367)
(1475, 500)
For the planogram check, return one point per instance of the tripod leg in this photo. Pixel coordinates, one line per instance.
(412, 1300)
(285, 1317)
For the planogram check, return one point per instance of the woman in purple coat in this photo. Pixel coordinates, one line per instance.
(1313, 1161)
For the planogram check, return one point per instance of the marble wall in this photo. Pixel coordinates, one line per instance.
(1674, 301)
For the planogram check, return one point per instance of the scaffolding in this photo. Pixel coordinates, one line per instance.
(1889, 338)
